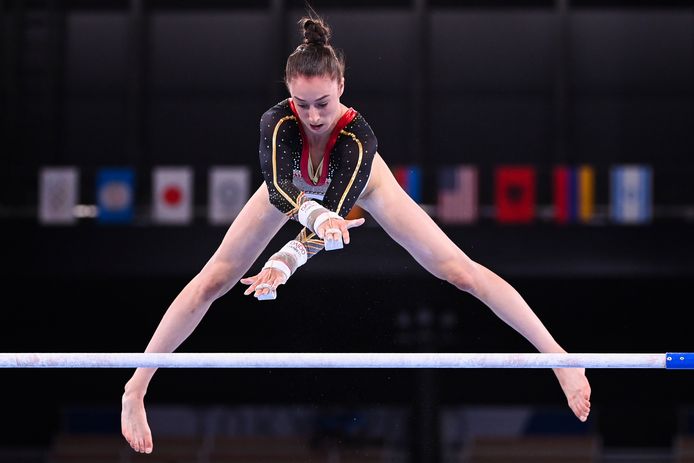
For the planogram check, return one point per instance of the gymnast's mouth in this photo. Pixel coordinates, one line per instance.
(316, 126)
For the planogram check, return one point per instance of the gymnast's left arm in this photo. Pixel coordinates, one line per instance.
(282, 265)
(286, 262)
(355, 154)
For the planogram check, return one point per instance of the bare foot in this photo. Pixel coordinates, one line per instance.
(575, 385)
(133, 422)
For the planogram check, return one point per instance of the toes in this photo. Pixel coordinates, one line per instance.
(128, 439)
(148, 445)
(580, 408)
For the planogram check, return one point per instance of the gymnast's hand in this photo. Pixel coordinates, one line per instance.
(264, 283)
(334, 229)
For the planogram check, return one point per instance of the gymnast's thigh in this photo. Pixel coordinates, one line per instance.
(250, 232)
(408, 224)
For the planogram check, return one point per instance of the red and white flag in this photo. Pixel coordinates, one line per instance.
(58, 194)
(229, 190)
(172, 195)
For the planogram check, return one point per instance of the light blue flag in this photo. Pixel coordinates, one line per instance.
(631, 194)
(115, 195)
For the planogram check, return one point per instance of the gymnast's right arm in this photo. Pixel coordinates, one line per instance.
(276, 163)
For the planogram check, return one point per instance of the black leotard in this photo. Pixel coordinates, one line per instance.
(284, 158)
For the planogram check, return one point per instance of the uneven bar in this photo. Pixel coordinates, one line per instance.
(340, 360)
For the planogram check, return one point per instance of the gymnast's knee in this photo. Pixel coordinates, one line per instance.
(213, 282)
(462, 275)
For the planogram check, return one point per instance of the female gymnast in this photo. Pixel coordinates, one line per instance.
(319, 158)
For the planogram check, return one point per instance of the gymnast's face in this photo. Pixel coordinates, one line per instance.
(317, 101)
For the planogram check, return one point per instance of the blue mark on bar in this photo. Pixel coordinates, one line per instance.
(679, 361)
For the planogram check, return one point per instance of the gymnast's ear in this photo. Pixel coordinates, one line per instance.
(341, 86)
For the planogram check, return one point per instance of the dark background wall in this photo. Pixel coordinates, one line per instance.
(145, 83)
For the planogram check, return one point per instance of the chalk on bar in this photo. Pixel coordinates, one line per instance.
(268, 296)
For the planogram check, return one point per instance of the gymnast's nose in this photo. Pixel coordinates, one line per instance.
(313, 115)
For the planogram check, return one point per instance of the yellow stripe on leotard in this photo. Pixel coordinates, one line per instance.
(292, 201)
(356, 168)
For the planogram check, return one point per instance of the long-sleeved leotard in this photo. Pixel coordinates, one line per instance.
(284, 158)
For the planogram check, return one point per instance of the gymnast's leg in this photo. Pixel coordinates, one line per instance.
(246, 238)
(412, 228)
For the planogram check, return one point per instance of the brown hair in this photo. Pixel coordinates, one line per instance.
(315, 56)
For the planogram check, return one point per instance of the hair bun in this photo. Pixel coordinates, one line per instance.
(315, 32)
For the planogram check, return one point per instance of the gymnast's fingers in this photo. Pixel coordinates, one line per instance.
(252, 282)
(322, 229)
(345, 225)
(274, 279)
(344, 231)
(271, 279)
(354, 222)
(262, 289)
(265, 292)
(333, 233)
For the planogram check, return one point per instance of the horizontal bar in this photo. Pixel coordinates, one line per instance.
(328, 360)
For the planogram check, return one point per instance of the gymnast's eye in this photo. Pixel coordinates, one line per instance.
(303, 106)
(322, 105)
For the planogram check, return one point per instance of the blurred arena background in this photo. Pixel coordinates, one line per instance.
(552, 140)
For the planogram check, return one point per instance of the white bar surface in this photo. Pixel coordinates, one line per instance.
(328, 360)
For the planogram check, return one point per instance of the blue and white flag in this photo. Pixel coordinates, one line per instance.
(58, 195)
(631, 194)
(229, 190)
(115, 195)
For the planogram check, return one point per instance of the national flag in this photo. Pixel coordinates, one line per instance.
(410, 179)
(574, 193)
(457, 195)
(115, 198)
(58, 195)
(515, 194)
(631, 194)
(229, 190)
(172, 195)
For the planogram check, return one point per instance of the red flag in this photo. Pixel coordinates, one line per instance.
(563, 190)
(515, 194)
